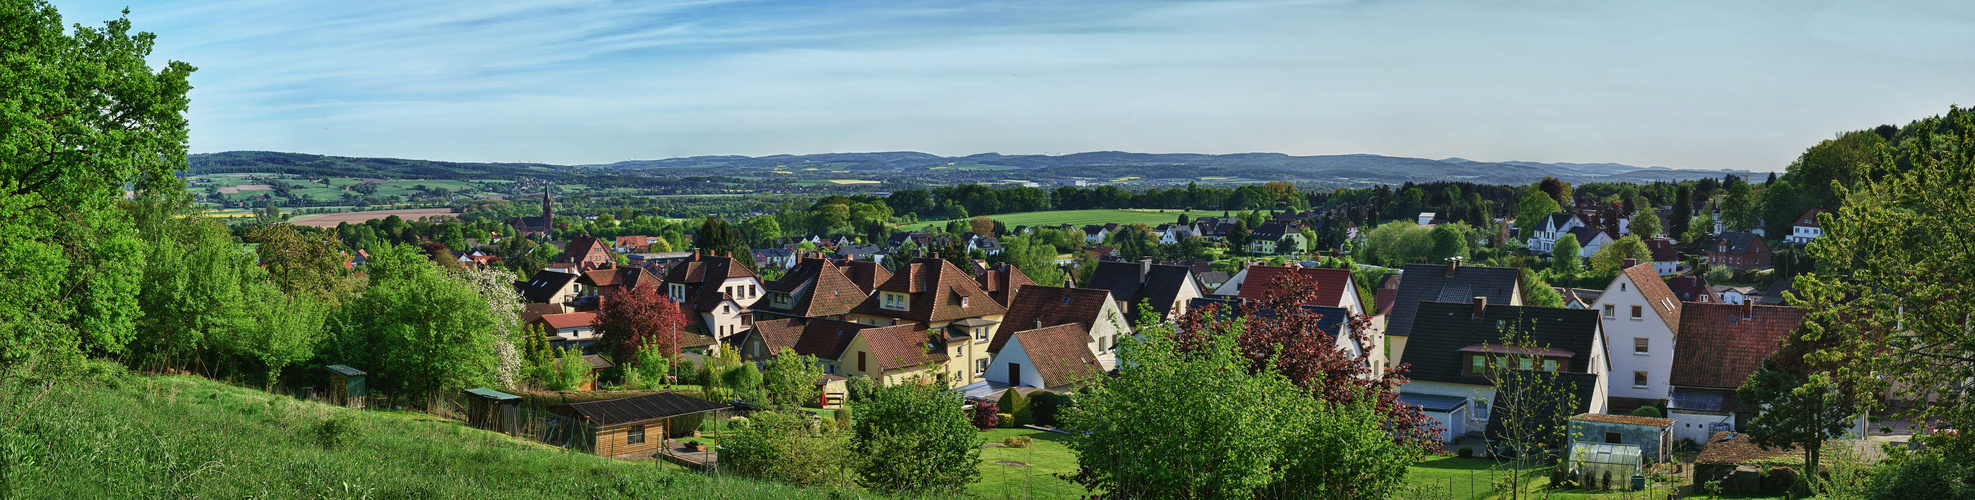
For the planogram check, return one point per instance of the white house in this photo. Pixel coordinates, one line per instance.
(1590, 240)
(1805, 229)
(1096, 235)
(1641, 316)
(569, 330)
(1053, 357)
(1542, 234)
(1426, 218)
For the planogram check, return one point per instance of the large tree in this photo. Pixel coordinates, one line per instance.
(415, 330)
(1739, 209)
(1645, 224)
(790, 379)
(1565, 256)
(1610, 259)
(915, 439)
(1535, 206)
(1034, 257)
(1683, 212)
(631, 318)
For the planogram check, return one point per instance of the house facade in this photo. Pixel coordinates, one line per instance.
(1735, 250)
(568, 330)
(1806, 228)
(1542, 234)
(1456, 346)
(1055, 358)
(1164, 289)
(938, 297)
(1641, 316)
(717, 292)
(1451, 282)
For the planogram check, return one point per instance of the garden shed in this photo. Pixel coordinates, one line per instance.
(346, 386)
(1726, 457)
(630, 427)
(1450, 411)
(493, 410)
(1606, 464)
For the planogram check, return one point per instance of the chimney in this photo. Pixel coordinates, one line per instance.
(1452, 264)
(1038, 322)
(1748, 308)
(1144, 269)
(696, 254)
(1631, 262)
(1480, 305)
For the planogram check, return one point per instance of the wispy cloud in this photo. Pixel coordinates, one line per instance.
(1698, 84)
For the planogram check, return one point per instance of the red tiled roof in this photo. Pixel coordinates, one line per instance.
(1810, 218)
(902, 346)
(570, 320)
(866, 274)
(1721, 344)
(1661, 299)
(827, 339)
(935, 288)
(818, 287)
(703, 276)
(1662, 250)
(1061, 353)
(1331, 283)
(778, 334)
(1002, 281)
(1045, 306)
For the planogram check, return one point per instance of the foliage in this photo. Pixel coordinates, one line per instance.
(1535, 206)
(570, 370)
(919, 438)
(1538, 293)
(790, 379)
(1738, 210)
(844, 419)
(1804, 409)
(1530, 403)
(496, 286)
(1465, 451)
(1647, 411)
(415, 330)
(1449, 241)
(1921, 474)
(1644, 224)
(1398, 243)
(1017, 441)
(1247, 430)
(633, 318)
(300, 263)
(1610, 260)
(1565, 255)
(987, 415)
(1682, 215)
(1035, 258)
(1045, 408)
(778, 446)
(1017, 405)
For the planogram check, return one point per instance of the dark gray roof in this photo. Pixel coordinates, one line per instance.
(1738, 243)
(346, 371)
(492, 394)
(1137, 283)
(1443, 329)
(1430, 282)
(1582, 385)
(543, 286)
(1434, 403)
(609, 412)
(1774, 295)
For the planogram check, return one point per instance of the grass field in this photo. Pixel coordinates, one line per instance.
(1083, 217)
(1046, 456)
(184, 437)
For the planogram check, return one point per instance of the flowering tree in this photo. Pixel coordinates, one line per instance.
(504, 306)
(632, 318)
(1279, 330)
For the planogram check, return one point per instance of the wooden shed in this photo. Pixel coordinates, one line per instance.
(346, 386)
(631, 427)
(493, 410)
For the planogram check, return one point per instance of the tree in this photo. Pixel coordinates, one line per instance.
(1645, 224)
(1888, 307)
(1035, 258)
(1449, 242)
(981, 225)
(1610, 260)
(632, 318)
(918, 441)
(1536, 205)
(1738, 211)
(1682, 215)
(765, 230)
(1559, 191)
(716, 237)
(790, 379)
(1538, 293)
(1531, 404)
(1135, 242)
(1238, 236)
(1798, 410)
(301, 264)
(496, 287)
(1564, 256)
(416, 331)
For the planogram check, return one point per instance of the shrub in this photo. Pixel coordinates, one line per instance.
(920, 440)
(1016, 441)
(1044, 407)
(843, 418)
(986, 415)
(1004, 420)
(778, 447)
(337, 431)
(1015, 405)
(1466, 451)
(1647, 411)
(1605, 481)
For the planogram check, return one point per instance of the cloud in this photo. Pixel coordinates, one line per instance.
(1694, 84)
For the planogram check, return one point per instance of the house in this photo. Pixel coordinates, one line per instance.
(1543, 234)
(568, 330)
(1692, 289)
(584, 253)
(1666, 261)
(871, 253)
(815, 288)
(867, 275)
(595, 284)
(1451, 282)
(1774, 295)
(1055, 358)
(1589, 240)
(548, 287)
(768, 337)
(941, 298)
(1386, 294)
(1001, 281)
(985, 244)
(630, 427)
(1642, 316)
(1166, 290)
(1653, 436)
(1426, 218)
(1094, 310)
(635, 243)
(1805, 229)
(526, 226)
(1736, 250)
(716, 291)
(1720, 346)
(1455, 345)
(1096, 234)
(774, 257)
(1212, 279)
(1335, 287)
(1734, 294)
(1274, 238)
(890, 354)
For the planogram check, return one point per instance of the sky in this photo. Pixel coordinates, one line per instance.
(1708, 84)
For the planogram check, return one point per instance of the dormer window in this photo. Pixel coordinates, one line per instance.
(963, 302)
(894, 301)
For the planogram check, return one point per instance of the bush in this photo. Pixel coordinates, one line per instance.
(777, 446)
(1044, 407)
(1016, 441)
(1005, 421)
(1922, 474)
(1465, 451)
(1015, 405)
(843, 418)
(986, 415)
(1605, 481)
(1647, 411)
(337, 431)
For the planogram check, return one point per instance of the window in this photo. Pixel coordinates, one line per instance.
(1638, 380)
(830, 369)
(1621, 287)
(957, 352)
(1640, 345)
(1612, 437)
(1611, 311)
(1480, 364)
(963, 302)
(980, 334)
(752, 291)
(860, 361)
(724, 309)
(980, 366)
(1549, 365)
(1638, 312)
(678, 292)
(635, 436)
(1525, 363)
(895, 301)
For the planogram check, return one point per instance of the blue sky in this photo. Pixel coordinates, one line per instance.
(1711, 84)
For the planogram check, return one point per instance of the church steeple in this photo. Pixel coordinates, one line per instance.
(548, 214)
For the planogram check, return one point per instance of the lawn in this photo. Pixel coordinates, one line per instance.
(1084, 217)
(1470, 478)
(1046, 456)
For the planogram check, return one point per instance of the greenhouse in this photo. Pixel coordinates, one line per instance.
(1596, 460)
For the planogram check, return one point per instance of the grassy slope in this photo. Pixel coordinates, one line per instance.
(149, 437)
(1082, 217)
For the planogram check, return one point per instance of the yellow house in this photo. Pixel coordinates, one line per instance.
(958, 316)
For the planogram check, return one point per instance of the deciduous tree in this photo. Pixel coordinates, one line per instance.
(631, 318)
(917, 440)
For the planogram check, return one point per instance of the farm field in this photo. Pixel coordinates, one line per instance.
(331, 220)
(1083, 217)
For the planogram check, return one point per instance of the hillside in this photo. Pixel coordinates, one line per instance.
(180, 437)
(343, 166)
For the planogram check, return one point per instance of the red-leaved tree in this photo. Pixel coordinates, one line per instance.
(633, 318)
(1280, 329)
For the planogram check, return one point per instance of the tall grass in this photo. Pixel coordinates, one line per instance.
(182, 437)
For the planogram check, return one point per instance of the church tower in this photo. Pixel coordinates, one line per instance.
(548, 214)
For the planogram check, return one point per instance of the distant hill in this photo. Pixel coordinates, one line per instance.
(343, 166)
